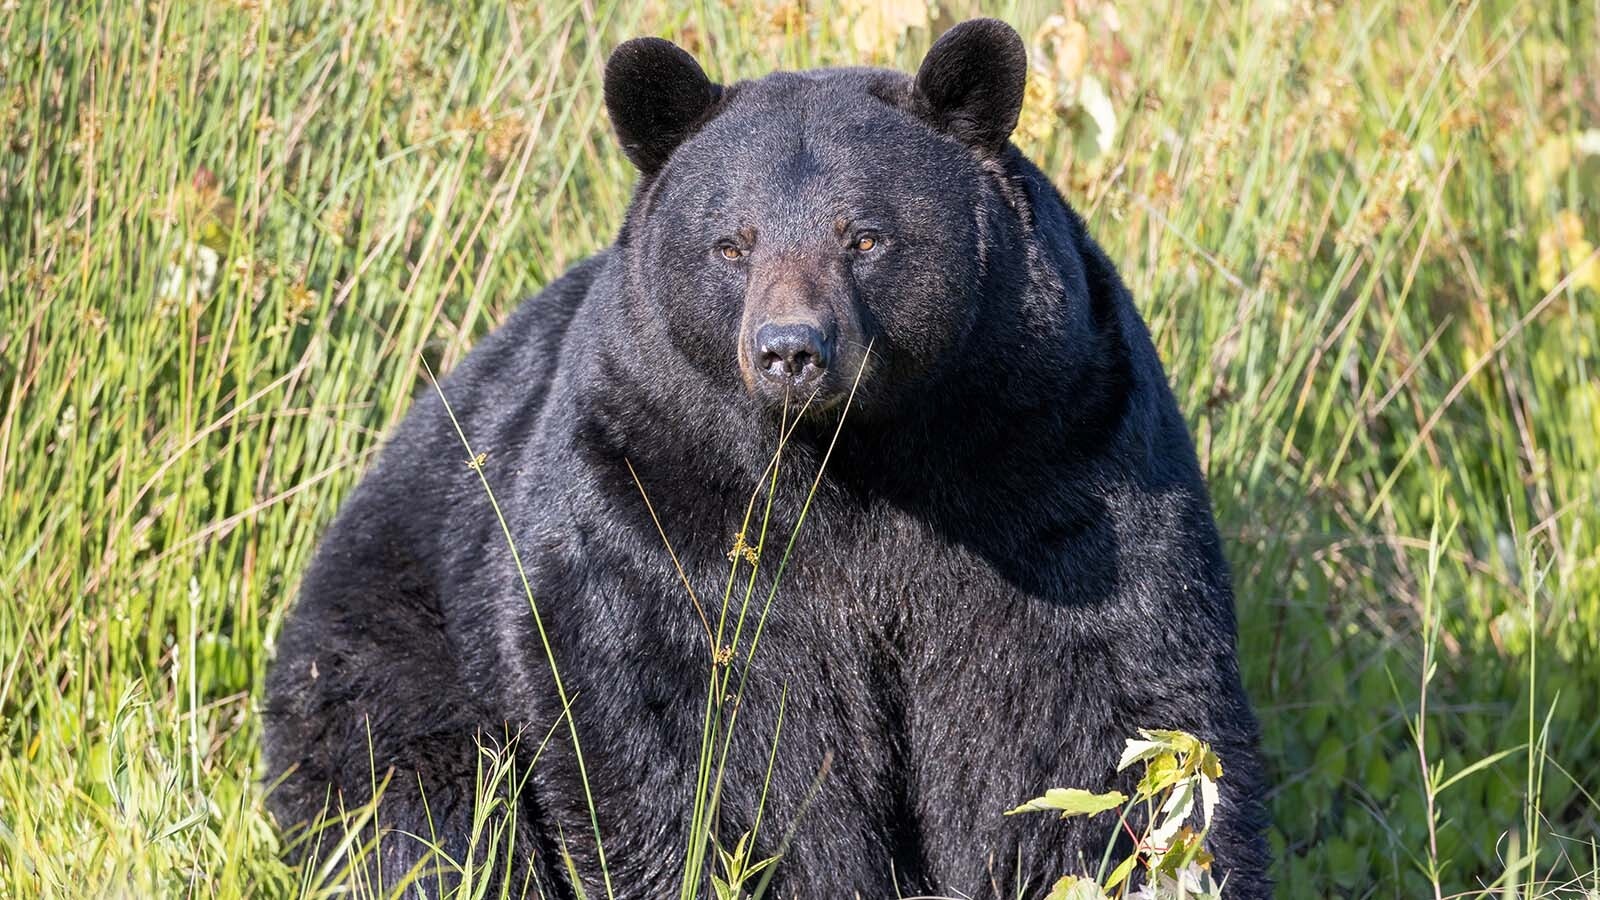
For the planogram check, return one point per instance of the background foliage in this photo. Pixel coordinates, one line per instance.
(1362, 233)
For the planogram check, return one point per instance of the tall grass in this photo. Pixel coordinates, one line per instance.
(233, 234)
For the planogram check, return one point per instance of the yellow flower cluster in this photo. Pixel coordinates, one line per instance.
(1564, 250)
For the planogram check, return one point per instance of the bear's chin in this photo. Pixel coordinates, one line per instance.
(824, 403)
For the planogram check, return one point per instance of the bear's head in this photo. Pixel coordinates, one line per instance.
(807, 235)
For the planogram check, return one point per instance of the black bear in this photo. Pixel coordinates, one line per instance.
(1005, 562)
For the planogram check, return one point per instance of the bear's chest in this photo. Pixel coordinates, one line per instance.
(882, 576)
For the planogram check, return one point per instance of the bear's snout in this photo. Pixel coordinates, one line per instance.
(792, 354)
(798, 330)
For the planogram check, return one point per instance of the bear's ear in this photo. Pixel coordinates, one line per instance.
(655, 94)
(971, 83)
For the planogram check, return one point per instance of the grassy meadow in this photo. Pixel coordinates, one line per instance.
(232, 234)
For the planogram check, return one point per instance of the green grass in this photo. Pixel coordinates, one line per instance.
(1347, 224)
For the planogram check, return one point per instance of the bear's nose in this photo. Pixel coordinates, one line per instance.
(791, 352)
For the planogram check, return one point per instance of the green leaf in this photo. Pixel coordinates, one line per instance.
(757, 867)
(1160, 773)
(1173, 813)
(1138, 750)
(1072, 802)
(1071, 887)
(1121, 872)
(1209, 798)
(1157, 741)
(1487, 761)
(1187, 847)
(572, 872)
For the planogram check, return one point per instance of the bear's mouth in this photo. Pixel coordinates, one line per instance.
(827, 395)
(820, 398)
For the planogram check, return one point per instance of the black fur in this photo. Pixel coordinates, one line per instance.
(972, 81)
(1010, 563)
(655, 93)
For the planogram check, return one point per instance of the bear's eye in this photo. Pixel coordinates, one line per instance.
(865, 242)
(730, 252)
